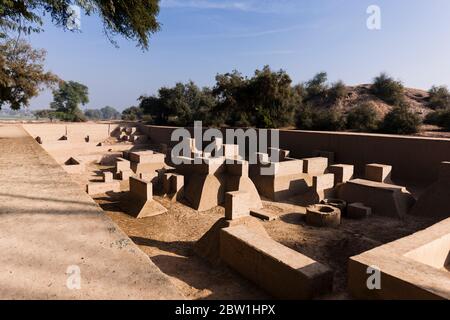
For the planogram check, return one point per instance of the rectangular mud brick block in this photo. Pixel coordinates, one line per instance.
(236, 205)
(147, 157)
(281, 271)
(263, 214)
(342, 172)
(125, 174)
(323, 182)
(358, 211)
(325, 154)
(102, 187)
(378, 172)
(141, 189)
(315, 166)
(108, 177)
(278, 154)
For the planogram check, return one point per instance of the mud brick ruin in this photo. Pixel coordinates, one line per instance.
(307, 220)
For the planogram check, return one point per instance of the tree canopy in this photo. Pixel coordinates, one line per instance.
(133, 19)
(266, 100)
(68, 98)
(22, 74)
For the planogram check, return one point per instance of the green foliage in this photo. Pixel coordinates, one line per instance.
(44, 114)
(310, 118)
(132, 114)
(439, 118)
(180, 105)
(93, 114)
(387, 89)
(400, 121)
(439, 97)
(106, 113)
(133, 19)
(317, 87)
(337, 91)
(22, 74)
(363, 118)
(67, 99)
(266, 100)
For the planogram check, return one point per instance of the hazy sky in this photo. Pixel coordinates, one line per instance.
(200, 38)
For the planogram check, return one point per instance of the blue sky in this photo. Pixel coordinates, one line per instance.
(200, 38)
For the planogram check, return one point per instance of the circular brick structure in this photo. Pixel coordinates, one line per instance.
(322, 215)
(337, 203)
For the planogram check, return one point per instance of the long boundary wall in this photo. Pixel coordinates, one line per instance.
(414, 159)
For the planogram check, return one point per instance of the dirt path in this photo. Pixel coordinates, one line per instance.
(51, 231)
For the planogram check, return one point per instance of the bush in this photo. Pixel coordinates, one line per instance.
(321, 120)
(304, 118)
(388, 89)
(439, 118)
(400, 121)
(363, 117)
(439, 97)
(337, 92)
(316, 87)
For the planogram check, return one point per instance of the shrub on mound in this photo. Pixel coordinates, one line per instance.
(400, 121)
(439, 118)
(363, 118)
(387, 89)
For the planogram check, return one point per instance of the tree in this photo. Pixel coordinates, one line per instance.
(439, 97)
(109, 113)
(363, 118)
(337, 91)
(266, 100)
(93, 114)
(67, 100)
(387, 89)
(132, 114)
(180, 105)
(22, 74)
(400, 121)
(317, 87)
(133, 19)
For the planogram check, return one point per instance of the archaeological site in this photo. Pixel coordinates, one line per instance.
(333, 216)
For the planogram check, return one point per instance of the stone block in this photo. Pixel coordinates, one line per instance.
(315, 166)
(323, 182)
(236, 205)
(379, 172)
(125, 174)
(358, 211)
(263, 214)
(141, 189)
(144, 157)
(325, 154)
(107, 176)
(342, 172)
(281, 271)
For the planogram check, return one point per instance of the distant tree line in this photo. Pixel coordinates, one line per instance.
(269, 99)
